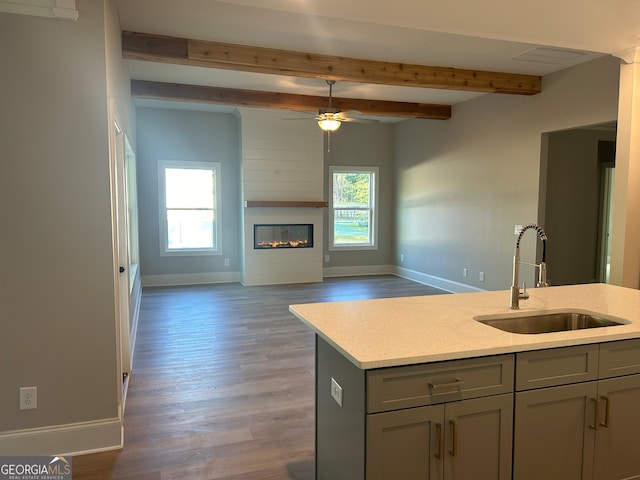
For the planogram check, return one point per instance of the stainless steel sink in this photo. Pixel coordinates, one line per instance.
(549, 322)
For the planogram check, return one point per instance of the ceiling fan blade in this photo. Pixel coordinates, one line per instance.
(357, 120)
(350, 113)
(309, 116)
(352, 116)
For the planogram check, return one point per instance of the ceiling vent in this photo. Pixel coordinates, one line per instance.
(551, 56)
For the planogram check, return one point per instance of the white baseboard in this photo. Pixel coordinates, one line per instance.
(327, 272)
(433, 281)
(176, 279)
(72, 439)
(357, 271)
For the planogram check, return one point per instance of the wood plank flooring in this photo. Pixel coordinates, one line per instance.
(222, 384)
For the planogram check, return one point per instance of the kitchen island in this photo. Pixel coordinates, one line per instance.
(417, 387)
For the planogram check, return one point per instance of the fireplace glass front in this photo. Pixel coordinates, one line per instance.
(283, 236)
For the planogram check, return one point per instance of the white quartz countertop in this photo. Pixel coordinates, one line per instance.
(408, 330)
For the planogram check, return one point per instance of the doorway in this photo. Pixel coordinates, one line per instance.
(577, 188)
(127, 284)
(606, 164)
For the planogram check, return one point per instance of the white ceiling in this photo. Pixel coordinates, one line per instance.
(470, 34)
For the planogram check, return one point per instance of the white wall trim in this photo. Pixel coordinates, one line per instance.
(63, 9)
(327, 272)
(71, 439)
(357, 271)
(437, 282)
(177, 279)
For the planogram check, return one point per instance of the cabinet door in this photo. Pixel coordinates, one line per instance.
(479, 438)
(617, 441)
(554, 434)
(406, 444)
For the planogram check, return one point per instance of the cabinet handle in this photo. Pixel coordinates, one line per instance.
(440, 430)
(595, 413)
(456, 383)
(454, 438)
(606, 412)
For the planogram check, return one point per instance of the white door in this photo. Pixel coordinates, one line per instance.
(121, 223)
(119, 210)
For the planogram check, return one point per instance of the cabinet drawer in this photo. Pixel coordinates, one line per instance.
(417, 385)
(619, 358)
(558, 366)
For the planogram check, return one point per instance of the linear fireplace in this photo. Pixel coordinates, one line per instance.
(299, 235)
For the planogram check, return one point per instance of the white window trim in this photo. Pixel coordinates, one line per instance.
(164, 248)
(374, 208)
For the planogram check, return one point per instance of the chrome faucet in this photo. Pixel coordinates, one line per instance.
(516, 294)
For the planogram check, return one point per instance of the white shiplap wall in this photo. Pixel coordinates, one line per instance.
(281, 160)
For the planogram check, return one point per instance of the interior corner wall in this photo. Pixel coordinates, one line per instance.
(118, 78)
(463, 184)
(625, 254)
(187, 135)
(58, 302)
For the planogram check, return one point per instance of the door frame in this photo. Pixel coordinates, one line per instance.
(119, 233)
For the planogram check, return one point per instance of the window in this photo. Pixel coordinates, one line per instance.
(189, 208)
(353, 214)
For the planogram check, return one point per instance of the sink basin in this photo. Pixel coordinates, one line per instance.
(549, 322)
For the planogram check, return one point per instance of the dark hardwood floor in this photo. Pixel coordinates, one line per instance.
(222, 384)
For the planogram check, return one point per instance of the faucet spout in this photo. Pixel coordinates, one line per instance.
(515, 294)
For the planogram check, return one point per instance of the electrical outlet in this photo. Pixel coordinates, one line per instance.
(326, 258)
(336, 391)
(28, 398)
(481, 276)
(226, 262)
(518, 229)
(401, 258)
(465, 272)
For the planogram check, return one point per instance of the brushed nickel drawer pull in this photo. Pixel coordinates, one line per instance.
(457, 383)
(440, 430)
(454, 438)
(606, 412)
(594, 426)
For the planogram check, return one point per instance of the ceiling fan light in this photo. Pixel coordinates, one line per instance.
(329, 125)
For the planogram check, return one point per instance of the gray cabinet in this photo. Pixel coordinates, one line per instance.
(581, 425)
(575, 415)
(406, 444)
(617, 450)
(552, 438)
(446, 420)
(449, 441)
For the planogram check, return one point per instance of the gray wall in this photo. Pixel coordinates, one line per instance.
(184, 135)
(164, 134)
(451, 193)
(463, 184)
(573, 202)
(369, 145)
(58, 328)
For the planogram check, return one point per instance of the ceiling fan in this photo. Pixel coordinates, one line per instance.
(329, 119)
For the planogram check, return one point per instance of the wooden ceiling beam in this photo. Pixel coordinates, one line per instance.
(157, 48)
(287, 101)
